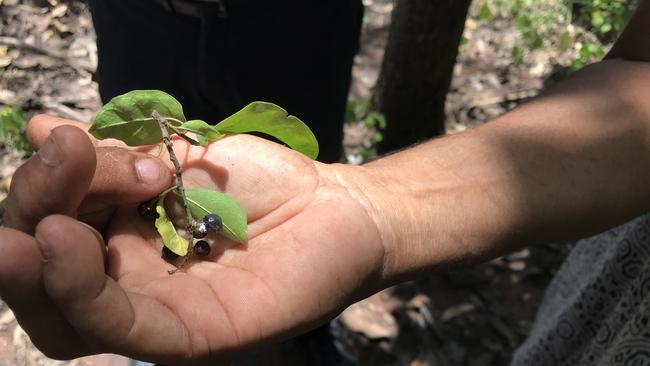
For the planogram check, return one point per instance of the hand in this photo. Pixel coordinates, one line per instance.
(313, 250)
(72, 177)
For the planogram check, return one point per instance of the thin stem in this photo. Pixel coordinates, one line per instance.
(184, 136)
(188, 139)
(164, 128)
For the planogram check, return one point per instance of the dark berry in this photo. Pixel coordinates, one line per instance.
(148, 210)
(213, 222)
(200, 230)
(201, 248)
(167, 254)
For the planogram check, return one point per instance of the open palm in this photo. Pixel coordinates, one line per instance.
(312, 250)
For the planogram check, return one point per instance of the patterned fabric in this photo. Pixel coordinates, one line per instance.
(597, 309)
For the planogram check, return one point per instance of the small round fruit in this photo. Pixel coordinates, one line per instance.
(168, 255)
(148, 210)
(213, 222)
(200, 230)
(201, 248)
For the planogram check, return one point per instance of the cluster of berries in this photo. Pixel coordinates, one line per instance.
(211, 223)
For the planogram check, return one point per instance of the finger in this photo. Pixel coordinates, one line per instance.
(22, 288)
(54, 180)
(40, 126)
(101, 311)
(122, 177)
(127, 175)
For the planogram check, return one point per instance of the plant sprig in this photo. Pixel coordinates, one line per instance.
(147, 117)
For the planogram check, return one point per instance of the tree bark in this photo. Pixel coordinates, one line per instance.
(417, 69)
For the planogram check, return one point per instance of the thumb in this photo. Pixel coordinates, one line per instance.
(127, 176)
(122, 177)
(53, 181)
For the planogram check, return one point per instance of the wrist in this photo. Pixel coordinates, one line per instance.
(371, 191)
(417, 218)
(438, 205)
(417, 203)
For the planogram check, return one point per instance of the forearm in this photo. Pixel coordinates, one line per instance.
(569, 164)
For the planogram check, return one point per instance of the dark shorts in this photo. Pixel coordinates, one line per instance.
(297, 54)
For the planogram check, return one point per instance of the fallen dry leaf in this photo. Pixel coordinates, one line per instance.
(59, 10)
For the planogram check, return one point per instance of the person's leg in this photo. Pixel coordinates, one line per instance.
(143, 46)
(297, 54)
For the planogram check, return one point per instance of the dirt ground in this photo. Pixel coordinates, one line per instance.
(475, 316)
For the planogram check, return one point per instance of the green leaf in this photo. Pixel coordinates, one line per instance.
(591, 50)
(375, 120)
(202, 140)
(206, 201)
(533, 40)
(167, 230)
(13, 124)
(523, 23)
(381, 121)
(517, 55)
(350, 115)
(272, 120)
(13, 120)
(597, 19)
(128, 117)
(201, 128)
(576, 65)
(606, 28)
(485, 13)
(565, 41)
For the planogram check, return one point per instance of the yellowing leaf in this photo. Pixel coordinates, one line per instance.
(167, 230)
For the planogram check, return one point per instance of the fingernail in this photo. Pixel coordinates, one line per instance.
(100, 240)
(99, 236)
(50, 153)
(44, 247)
(148, 170)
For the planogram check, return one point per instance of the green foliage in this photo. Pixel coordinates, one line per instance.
(203, 202)
(13, 123)
(201, 128)
(485, 13)
(606, 17)
(206, 201)
(517, 55)
(127, 117)
(272, 120)
(552, 24)
(588, 51)
(529, 29)
(364, 112)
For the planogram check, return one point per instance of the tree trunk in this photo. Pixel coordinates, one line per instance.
(417, 69)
